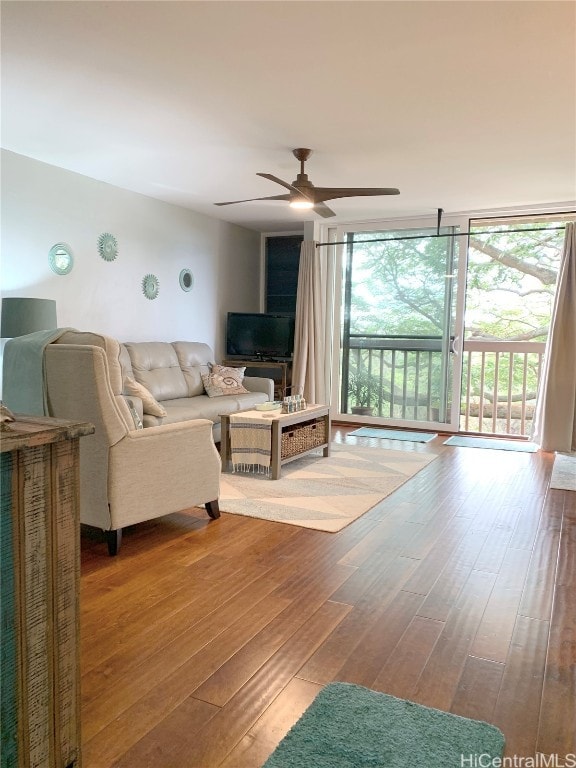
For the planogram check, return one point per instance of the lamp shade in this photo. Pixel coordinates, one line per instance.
(22, 316)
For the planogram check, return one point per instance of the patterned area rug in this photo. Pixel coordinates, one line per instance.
(326, 494)
(564, 472)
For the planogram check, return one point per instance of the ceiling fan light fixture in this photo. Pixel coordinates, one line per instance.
(303, 195)
(301, 204)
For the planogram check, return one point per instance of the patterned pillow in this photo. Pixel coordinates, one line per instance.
(134, 413)
(149, 402)
(223, 381)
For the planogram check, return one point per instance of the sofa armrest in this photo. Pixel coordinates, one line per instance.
(259, 384)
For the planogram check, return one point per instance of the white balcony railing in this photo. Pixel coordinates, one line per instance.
(398, 378)
(499, 384)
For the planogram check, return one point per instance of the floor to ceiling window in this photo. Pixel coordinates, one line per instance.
(398, 324)
(512, 271)
(439, 327)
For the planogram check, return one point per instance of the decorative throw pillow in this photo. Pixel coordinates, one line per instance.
(223, 381)
(134, 413)
(149, 402)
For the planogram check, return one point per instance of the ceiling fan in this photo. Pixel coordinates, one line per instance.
(303, 194)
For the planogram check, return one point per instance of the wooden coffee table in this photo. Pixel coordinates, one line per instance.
(293, 435)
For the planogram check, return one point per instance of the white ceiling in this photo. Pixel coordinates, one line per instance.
(462, 105)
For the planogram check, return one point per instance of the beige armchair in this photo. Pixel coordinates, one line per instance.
(127, 475)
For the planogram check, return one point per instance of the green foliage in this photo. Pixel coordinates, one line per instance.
(401, 288)
(511, 278)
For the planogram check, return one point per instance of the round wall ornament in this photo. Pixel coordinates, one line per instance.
(186, 280)
(150, 286)
(107, 246)
(60, 258)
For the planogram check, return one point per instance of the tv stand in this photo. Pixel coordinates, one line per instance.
(279, 370)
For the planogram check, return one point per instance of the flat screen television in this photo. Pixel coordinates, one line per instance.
(259, 336)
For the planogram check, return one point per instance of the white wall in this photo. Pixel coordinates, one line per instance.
(43, 205)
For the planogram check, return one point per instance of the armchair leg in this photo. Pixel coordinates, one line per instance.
(213, 509)
(113, 539)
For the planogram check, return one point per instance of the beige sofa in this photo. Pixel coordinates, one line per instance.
(172, 373)
(130, 474)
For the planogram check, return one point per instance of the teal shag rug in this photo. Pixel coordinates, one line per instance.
(496, 444)
(394, 434)
(348, 726)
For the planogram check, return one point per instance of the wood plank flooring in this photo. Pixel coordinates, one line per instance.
(204, 641)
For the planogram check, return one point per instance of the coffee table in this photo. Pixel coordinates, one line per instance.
(292, 435)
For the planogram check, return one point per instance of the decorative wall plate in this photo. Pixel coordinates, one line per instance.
(150, 286)
(186, 280)
(107, 246)
(60, 258)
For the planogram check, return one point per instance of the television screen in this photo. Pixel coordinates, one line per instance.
(259, 335)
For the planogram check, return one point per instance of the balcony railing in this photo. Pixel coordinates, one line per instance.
(392, 377)
(408, 378)
(499, 384)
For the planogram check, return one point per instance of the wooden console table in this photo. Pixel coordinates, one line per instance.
(281, 373)
(40, 574)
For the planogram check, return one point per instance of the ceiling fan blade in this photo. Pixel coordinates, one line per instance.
(271, 177)
(302, 190)
(322, 210)
(252, 199)
(332, 193)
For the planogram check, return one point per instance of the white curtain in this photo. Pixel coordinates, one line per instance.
(555, 418)
(312, 368)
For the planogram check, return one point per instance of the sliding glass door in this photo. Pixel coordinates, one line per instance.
(513, 266)
(399, 358)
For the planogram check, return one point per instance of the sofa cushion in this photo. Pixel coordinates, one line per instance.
(195, 359)
(197, 407)
(224, 381)
(125, 364)
(156, 366)
(149, 403)
(204, 407)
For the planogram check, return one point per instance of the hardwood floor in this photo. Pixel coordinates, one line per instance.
(204, 641)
